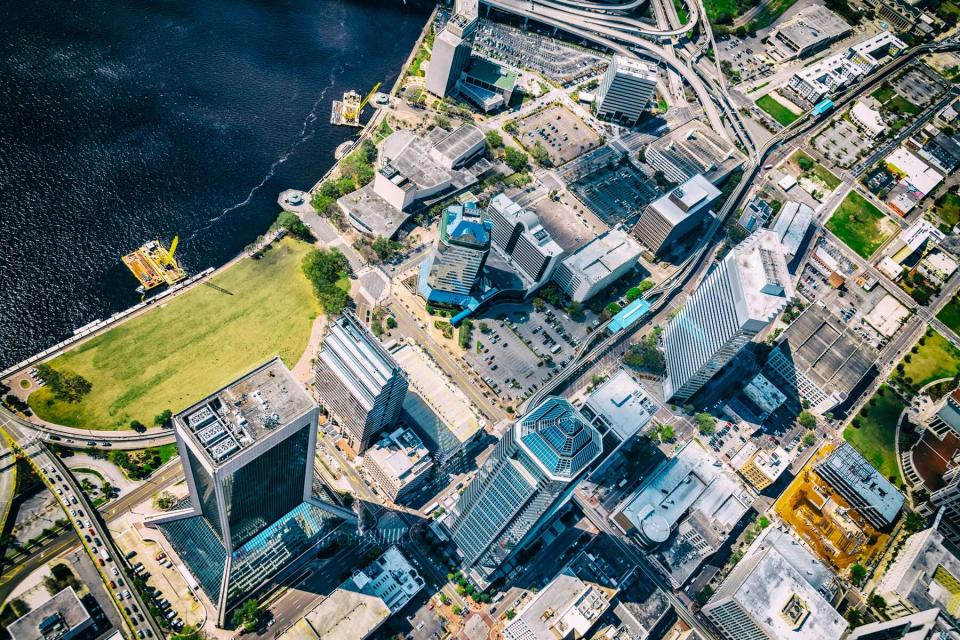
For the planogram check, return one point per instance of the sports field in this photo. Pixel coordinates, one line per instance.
(180, 351)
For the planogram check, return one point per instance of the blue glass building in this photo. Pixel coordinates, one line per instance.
(526, 480)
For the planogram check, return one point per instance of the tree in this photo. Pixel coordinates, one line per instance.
(540, 154)
(325, 268)
(189, 632)
(66, 385)
(509, 614)
(878, 602)
(857, 574)
(809, 439)
(854, 617)
(294, 225)
(138, 426)
(914, 522)
(706, 423)
(163, 418)
(515, 159)
(391, 322)
(807, 419)
(665, 432)
(645, 356)
(575, 310)
(164, 500)
(442, 121)
(494, 139)
(247, 615)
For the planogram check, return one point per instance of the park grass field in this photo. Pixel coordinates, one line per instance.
(860, 225)
(950, 314)
(777, 111)
(947, 208)
(823, 174)
(875, 437)
(178, 352)
(935, 359)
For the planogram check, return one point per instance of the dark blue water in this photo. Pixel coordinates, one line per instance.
(124, 121)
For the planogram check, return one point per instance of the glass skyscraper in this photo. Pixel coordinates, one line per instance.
(528, 477)
(248, 455)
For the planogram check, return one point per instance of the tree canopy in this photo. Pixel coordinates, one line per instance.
(325, 269)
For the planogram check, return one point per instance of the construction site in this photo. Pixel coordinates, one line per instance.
(828, 523)
(153, 265)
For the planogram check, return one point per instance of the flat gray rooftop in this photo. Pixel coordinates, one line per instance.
(239, 414)
(371, 213)
(826, 351)
(64, 604)
(812, 26)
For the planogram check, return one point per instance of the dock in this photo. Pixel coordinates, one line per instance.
(153, 265)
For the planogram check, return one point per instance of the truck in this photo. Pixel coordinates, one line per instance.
(104, 554)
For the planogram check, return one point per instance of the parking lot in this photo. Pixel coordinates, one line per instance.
(919, 86)
(522, 348)
(564, 135)
(842, 144)
(616, 194)
(556, 60)
(743, 58)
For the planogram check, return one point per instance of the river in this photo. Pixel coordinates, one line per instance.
(124, 121)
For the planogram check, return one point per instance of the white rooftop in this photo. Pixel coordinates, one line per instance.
(566, 607)
(688, 199)
(604, 255)
(918, 173)
(621, 404)
(765, 284)
(776, 583)
(791, 226)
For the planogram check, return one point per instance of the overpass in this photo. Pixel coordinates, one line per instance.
(621, 35)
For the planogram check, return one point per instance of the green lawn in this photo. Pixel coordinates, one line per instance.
(822, 173)
(884, 93)
(875, 435)
(768, 14)
(899, 104)
(176, 353)
(720, 11)
(776, 110)
(860, 225)
(937, 358)
(950, 314)
(947, 208)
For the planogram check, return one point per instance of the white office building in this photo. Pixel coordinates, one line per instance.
(816, 81)
(399, 463)
(597, 265)
(359, 381)
(672, 216)
(931, 624)
(520, 238)
(567, 607)
(531, 474)
(744, 293)
(625, 90)
(924, 575)
(451, 50)
(778, 591)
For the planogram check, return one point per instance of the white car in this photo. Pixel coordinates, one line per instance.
(115, 571)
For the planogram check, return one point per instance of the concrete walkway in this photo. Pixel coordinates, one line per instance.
(303, 370)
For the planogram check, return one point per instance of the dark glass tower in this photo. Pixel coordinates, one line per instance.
(248, 455)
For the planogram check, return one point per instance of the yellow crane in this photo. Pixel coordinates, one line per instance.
(173, 249)
(351, 112)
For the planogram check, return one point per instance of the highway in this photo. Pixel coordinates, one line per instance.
(43, 460)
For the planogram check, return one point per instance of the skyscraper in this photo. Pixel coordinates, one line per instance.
(450, 54)
(358, 381)
(625, 90)
(519, 236)
(453, 269)
(528, 477)
(668, 218)
(738, 299)
(247, 453)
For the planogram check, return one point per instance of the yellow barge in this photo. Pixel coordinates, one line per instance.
(153, 265)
